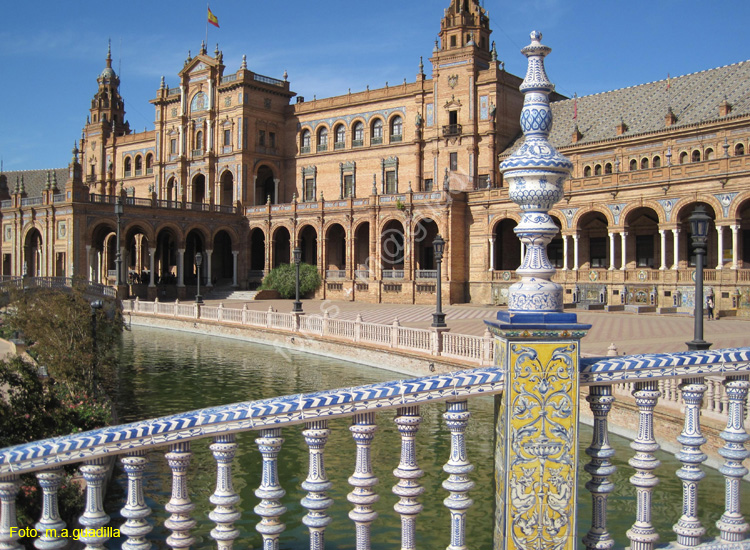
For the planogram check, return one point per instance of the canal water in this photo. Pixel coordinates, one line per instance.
(165, 372)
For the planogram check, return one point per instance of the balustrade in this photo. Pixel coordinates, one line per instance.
(267, 418)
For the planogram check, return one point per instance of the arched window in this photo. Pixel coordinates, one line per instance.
(586, 171)
(199, 140)
(683, 157)
(709, 154)
(633, 165)
(340, 133)
(397, 128)
(608, 168)
(358, 134)
(323, 139)
(138, 165)
(739, 150)
(149, 164)
(644, 163)
(656, 163)
(128, 167)
(696, 156)
(377, 132)
(598, 170)
(305, 142)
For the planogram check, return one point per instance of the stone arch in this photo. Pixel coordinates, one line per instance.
(222, 259)
(643, 242)
(101, 238)
(168, 239)
(685, 207)
(738, 204)
(592, 228)
(282, 246)
(199, 188)
(650, 204)
(257, 242)
(265, 184)
(226, 188)
(392, 244)
(33, 252)
(137, 241)
(423, 234)
(335, 248)
(507, 253)
(603, 210)
(307, 239)
(361, 236)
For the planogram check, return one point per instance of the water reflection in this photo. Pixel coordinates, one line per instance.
(165, 372)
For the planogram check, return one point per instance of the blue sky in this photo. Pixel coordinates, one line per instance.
(51, 52)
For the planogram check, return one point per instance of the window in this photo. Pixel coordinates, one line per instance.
(739, 150)
(452, 118)
(323, 139)
(348, 186)
(428, 185)
(128, 167)
(598, 251)
(149, 164)
(633, 165)
(305, 142)
(377, 132)
(309, 189)
(656, 163)
(454, 162)
(227, 138)
(598, 170)
(586, 171)
(608, 168)
(340, 134)
(272, 140)
(644, 163)
(453, 41)
(199, 140)
(397, 127)
(390, 182)
(696, 157)
(709, 154)
(138, 165)
(683, 157)
(358, 136)
(262, 138)
(483, 181)
(172, 146)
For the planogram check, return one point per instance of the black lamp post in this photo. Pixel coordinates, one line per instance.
(118, 258)
(297, 306)
(699, 221)
(198, 262)
(438, 318)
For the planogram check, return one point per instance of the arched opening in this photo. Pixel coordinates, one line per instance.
(507, 246)
(257, 253)
(171, 191)
(555, 247)
(586, 171)
(358, 134)
(644, 163)
(199, 141)
(362, 251)
(608, 168)
(281, 247)
(166, 258)
(392, 250)
(340, 133)
(592, 230)
(643, 242)
(696, 156)
(335, 252)
(633, 165)
(102, 253)
(227, 188)
(265, 187)
(322, 140)
(32, 253)
(376, 134)
(149, 164)
(304, 141)
(136, 257)
(194, 243)
(709, 154)
(743, 246)
(739, 150)
(222, 260)
(138, 165)
(128, 167)
(397, 129)
(656, 163)
(424, 234)
(686, 244)
(199, 190)
(683, 157)
(308, 243)
(598, 170)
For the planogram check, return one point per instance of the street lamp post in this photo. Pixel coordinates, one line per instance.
(118, 257)
(297, 306)
(438, 318)
(198, 262)
(699, 221)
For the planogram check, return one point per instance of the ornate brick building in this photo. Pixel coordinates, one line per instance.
(241, 170)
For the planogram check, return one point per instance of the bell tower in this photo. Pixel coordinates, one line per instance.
(107, 107)
(465, 29)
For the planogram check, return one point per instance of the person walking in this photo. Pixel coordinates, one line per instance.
(710, 306)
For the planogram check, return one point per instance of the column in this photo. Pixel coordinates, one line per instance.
(89, 272)
(611, 251)
(676, 246)
(209, 254)
(720, 246)
(565, 252)
(663, 235)
(180, 267)
(575, 251)
(255, 183)
(151, 261)
(735, 246)
(276, 190)
(492, 254)
(235, 253)
(624, 243)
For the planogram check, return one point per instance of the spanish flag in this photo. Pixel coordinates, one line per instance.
(213, 19)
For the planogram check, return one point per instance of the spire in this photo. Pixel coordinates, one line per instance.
(54, 180)
(162, 85)
(244, 63)
(421, 66)
(48, 183)
(203, 47)
(109, 53)
(216, 51)
(493, 53)
(286, 76)
(22, 189)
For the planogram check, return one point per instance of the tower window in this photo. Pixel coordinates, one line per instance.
(397, 128)
(358, 134)
(149, 164)
(227, 138)
(138, 165)
(199, 140)
(739, 150)
(656, 163)
(305, 143)
(323, 139)
(454, 162)
(128, 167)
(453, 41)
(644, 163)
(172, 146)
(377, 132)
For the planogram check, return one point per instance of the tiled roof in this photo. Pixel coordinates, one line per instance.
(694, 98)
(34, 181)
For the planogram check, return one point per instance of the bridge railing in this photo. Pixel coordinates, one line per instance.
(267, 419)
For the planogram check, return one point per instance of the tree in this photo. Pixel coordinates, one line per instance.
(283, 279)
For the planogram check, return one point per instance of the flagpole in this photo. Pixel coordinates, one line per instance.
(208, 9)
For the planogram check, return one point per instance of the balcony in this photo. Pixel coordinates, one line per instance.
(197, 153)
(397, 138)
(358, 142)
(451, 130)
(376, 140)
(339, 145)
(304, 150)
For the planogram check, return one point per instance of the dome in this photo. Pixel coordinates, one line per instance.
(108, 73)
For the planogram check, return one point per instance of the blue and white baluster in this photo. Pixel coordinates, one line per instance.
(270, 492)
(317, 484)
(51, 524)
(94, 472)
(363, 480)
(732, 525)
(179, 506)
(458, 469)
(600, 468)
(135, 511)
(224, 497)
(408, 473)
(688, 528)
(642, 535)
(9, 486)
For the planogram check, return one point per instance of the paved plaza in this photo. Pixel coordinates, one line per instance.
(631, 333)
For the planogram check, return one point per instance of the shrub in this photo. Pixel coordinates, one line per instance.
(282, 279)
